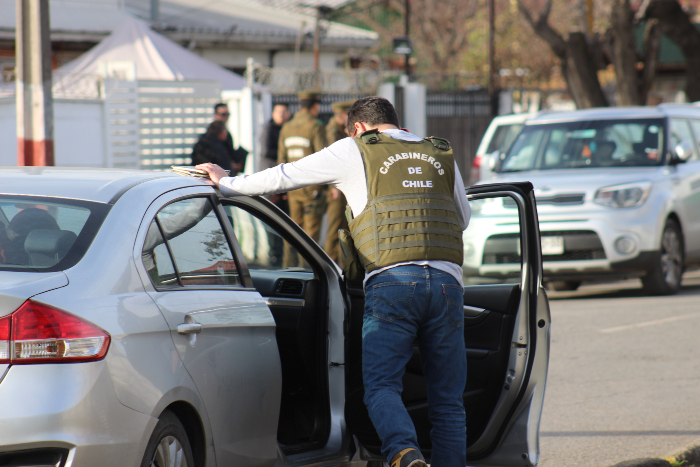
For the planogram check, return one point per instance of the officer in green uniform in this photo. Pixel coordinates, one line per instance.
(301, 136)
(335, 130)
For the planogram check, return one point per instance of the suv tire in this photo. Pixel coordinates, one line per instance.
(665, 278)
(169, 445)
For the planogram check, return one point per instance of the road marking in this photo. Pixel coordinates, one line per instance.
(648, 323)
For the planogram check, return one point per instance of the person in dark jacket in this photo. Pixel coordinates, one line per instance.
(238, 155)
(211, 147)
(271, 137)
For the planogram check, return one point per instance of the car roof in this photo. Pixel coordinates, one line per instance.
(609, 113)
(89, 184)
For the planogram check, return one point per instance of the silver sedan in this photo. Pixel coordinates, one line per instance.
(145, 320)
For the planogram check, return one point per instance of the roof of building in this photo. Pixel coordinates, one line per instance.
(232, 21)
(154, 57)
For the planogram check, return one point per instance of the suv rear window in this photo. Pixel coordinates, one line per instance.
(585, 144)
(46, 234)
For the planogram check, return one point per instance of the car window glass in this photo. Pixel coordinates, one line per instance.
(39, 234)
(586, 144)
(199, 247)
(695, 125)
(503, 137)
(492, 249)
(156, 258)
(262, 246)
(680, 131)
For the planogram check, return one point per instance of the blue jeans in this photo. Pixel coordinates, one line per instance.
(403, 305)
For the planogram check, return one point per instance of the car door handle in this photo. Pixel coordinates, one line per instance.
(189, 328)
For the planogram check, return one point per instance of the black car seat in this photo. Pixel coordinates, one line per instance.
(20, 227)
(48, 247)
(602, 157)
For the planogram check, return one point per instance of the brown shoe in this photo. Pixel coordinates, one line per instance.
(409, 457)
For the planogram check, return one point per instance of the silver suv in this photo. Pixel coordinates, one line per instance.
(618, 196)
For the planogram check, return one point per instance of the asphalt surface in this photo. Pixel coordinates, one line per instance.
(624, 375)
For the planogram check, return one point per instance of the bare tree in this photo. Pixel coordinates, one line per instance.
(578, 58)
(634, 73)
(438, 28)
(676, 24)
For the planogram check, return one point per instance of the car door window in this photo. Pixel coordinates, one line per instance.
(492, 250)
(156, 258)
(680, 131)
(186, 245)
(262, 247)
(695, 124)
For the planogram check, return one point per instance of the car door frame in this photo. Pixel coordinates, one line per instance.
(338, 447)
(246, 283)
(512, 434)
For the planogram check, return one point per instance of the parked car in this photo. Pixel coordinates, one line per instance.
(145, 320)
(618, 196)
(499, 135)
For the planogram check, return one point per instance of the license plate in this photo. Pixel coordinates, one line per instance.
(552, 245)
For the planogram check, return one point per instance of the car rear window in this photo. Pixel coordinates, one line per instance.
(586, 144)
(46, 234)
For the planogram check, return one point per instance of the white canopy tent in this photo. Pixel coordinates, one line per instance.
(155, 57)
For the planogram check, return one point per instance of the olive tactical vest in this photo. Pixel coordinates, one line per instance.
(410, 213)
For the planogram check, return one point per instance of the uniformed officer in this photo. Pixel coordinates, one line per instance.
(409, 210)
(299, 137)
(336, 130)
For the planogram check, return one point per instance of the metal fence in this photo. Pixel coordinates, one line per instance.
(462, 118)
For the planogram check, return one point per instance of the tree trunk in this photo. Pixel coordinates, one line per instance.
(675, 23)
(578, 62)
(624, 55)
(581, 73)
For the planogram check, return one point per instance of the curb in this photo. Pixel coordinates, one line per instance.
(689, 457)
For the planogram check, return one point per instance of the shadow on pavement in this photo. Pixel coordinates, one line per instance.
(624, 289)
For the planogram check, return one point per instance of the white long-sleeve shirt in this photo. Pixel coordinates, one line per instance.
(341, 166)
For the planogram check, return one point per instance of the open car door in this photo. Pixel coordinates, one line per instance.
(506, 328)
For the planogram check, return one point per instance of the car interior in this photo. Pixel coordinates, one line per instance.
(489, 320)
(297, 298)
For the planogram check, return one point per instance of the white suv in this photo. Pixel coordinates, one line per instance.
(618, 195)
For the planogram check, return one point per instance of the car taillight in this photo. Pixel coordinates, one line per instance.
(475, 173)
(39, 333)
(5, 339)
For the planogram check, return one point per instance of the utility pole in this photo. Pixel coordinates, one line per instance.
(317, 40)
(492, 48)
(33, 84)
(407, 30)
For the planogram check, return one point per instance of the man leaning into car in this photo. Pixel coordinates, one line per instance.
(409, 210)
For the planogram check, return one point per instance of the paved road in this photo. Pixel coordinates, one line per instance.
(624, 375)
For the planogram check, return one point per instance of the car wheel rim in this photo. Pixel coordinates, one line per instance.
(671, 257)
(169, 453)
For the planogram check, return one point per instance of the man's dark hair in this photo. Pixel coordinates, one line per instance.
(373, 110)
(308, 103)
(215, 128)
(219, 105)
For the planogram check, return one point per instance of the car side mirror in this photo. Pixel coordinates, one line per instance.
(494, 157)
(683, 151)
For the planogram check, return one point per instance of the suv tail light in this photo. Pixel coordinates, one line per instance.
(39, 333)
(475, 173)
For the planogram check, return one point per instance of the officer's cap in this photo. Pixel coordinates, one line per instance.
(342, 106)
(312, 95)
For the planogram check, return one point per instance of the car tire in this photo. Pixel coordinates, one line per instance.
(561, 286)
(169, 445)
(665, 278)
